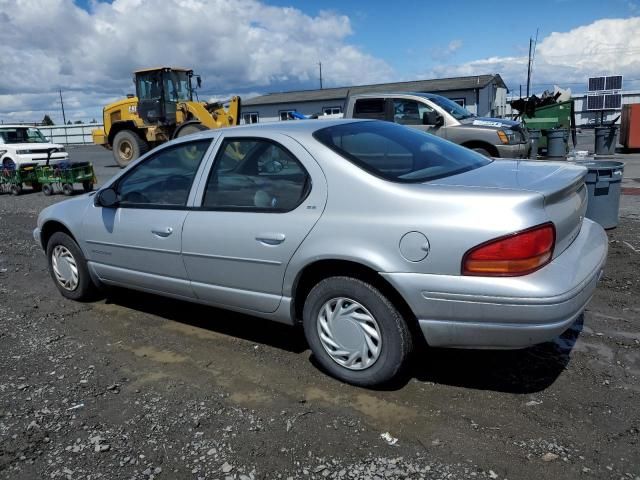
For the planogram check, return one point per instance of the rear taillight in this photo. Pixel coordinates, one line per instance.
(517, 254)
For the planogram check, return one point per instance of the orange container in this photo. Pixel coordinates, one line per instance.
(630, 126)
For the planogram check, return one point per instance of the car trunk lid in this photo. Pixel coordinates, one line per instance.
(561, 184)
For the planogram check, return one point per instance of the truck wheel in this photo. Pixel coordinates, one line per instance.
(16, 189)
(355, 333)
(482, 151)
(189, 129)
(67, 189)
(87, 186)
(47, 189)
(127, 147)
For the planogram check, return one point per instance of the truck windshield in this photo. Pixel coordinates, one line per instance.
(458, 112)
(21, 135)
(177, 86)
(398, 153)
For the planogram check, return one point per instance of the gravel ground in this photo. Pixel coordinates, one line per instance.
(141, 387)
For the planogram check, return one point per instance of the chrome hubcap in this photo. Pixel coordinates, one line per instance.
(64, 267)
(349, 333)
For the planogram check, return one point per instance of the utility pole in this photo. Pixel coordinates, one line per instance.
(532, 54)
(64, 118)
(320, 65)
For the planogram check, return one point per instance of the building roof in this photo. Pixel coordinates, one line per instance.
(433, 85)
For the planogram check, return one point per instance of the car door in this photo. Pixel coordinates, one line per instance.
(260, 199)
(137, 243)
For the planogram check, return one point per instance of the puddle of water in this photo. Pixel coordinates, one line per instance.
(380, 410)
(160, 356)
(192, 331)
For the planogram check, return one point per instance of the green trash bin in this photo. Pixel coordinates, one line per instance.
(604, 184)
(549, 116)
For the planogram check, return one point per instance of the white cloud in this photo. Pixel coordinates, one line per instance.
(242, 45)
(604, 47)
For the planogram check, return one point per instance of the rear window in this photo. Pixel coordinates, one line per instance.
(398, 153)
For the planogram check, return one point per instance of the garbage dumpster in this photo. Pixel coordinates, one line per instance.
(549, 116)
(606, 140)
(557, 142)
(534, 140)
(604, 185)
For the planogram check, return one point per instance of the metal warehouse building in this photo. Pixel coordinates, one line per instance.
(484, 95)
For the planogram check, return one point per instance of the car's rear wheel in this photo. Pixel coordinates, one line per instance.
(68, 268)
(355, 332)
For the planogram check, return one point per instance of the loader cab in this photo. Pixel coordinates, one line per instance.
(159, 91)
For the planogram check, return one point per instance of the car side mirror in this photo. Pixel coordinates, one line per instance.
(432, 118)
(107, 198)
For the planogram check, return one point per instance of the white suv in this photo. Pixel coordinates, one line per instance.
(21, 144)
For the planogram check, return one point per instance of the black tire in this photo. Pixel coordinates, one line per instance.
(189, 129)
(16, 189)
(395, 337)
(482, 151)
(67, 189)
(127, 147)
(85, 288)
(87, 186)
(47, 189)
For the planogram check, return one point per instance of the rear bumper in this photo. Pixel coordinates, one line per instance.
(507, 313)
(520, 150)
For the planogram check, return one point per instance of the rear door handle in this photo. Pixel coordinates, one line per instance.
(162, 232)
(271, 238)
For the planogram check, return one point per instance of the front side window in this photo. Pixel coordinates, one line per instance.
(397, 153)
(255, 175)
(177, 86)
(409, 112)
(164, 179)
(451, 107)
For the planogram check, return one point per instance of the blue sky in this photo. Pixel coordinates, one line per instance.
(88, 48)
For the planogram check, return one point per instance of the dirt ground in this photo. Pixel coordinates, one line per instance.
(141, 387)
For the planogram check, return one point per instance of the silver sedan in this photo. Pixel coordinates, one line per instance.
(367, 233)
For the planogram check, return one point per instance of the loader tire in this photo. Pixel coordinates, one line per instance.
(189, 129)
(127, 147)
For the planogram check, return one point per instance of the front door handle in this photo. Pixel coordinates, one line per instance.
(162, 232)
(271, 238)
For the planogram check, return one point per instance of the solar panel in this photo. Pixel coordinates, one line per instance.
(595, 102)
(596, 83)
(613, 82)
(613, 101)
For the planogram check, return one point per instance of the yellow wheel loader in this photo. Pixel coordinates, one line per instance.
(162, 109)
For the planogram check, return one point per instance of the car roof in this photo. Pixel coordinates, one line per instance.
(285, 127)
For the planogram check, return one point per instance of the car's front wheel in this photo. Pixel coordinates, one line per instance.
(68, 268)
(355, 332)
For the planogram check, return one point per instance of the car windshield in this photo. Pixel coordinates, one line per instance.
(451, 107)
(21, 135)
(398, 153)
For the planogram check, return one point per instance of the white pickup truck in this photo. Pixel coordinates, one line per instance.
(493, 137)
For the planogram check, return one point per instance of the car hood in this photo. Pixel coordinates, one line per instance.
(30, 146)
(546, 178)
(489, 122)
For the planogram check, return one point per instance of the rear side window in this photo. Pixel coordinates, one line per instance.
(253, 174)
(373, 108)
(398, 153)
